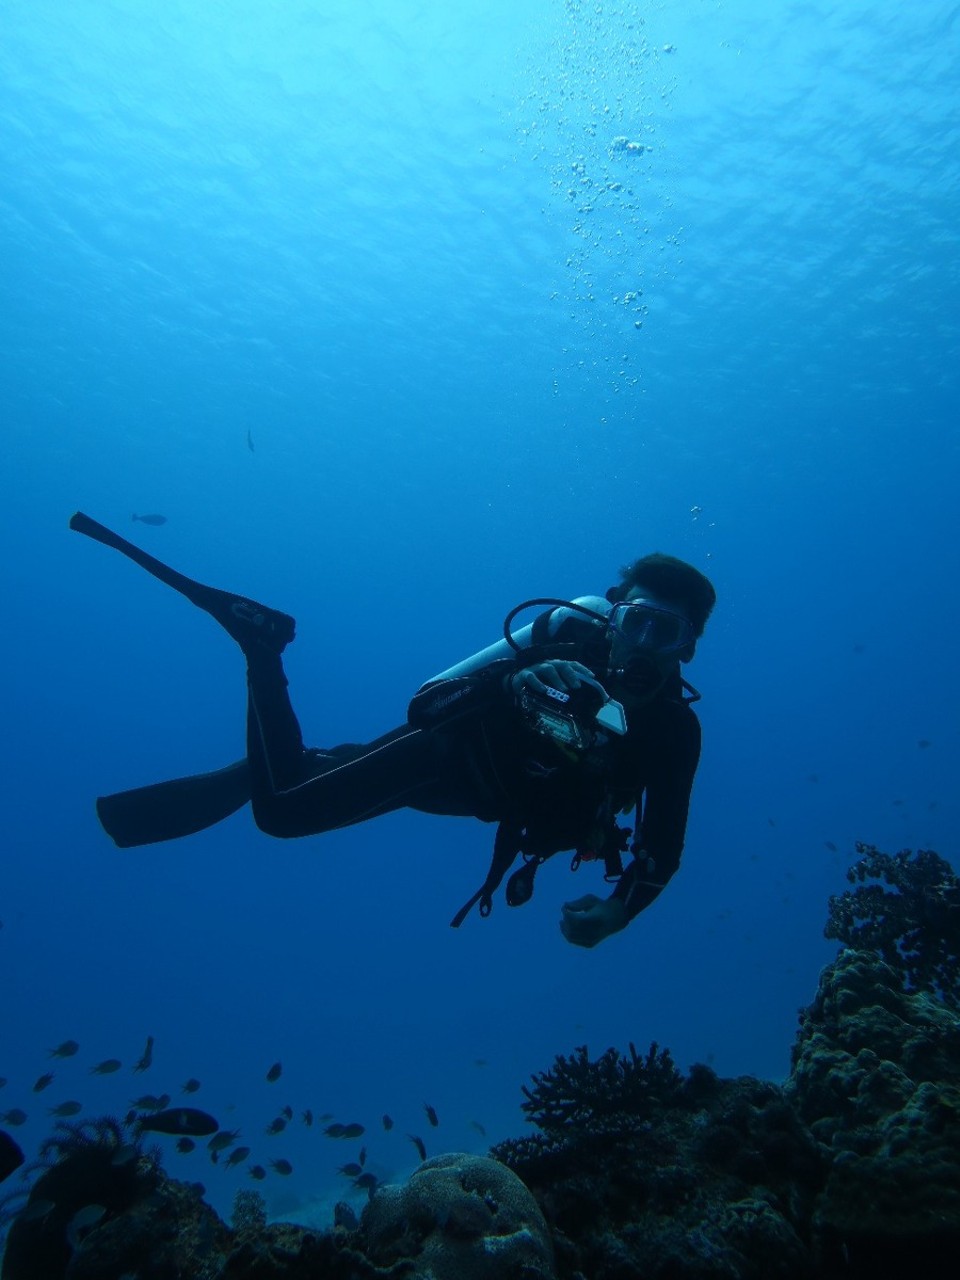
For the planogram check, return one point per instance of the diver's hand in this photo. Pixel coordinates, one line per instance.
(590, 919)
(562, 675)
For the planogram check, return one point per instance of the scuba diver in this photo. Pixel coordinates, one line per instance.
(553, 732)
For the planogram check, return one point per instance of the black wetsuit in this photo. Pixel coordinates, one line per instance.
(467, 751)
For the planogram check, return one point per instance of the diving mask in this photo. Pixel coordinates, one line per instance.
(650, 627)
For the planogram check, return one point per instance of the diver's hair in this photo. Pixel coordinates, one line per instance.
(674, 581)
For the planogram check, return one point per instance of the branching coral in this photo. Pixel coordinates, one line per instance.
(577, 1093)
(588, 1110)
(914, 923)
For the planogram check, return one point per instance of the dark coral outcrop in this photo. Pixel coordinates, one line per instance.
(849, 1170)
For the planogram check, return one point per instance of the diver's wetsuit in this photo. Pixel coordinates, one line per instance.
(465, 751)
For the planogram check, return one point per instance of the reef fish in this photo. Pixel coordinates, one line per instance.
(152, 517)
(283, 1167)
(65, 1050)
(431, 1114)
(275, 1072)
(418, 1143)
(187, 1120)
(146, 1058)
(107, 1067)
(185, 1145)
(257, 1172)
(66, 1109)
(150, 1103)
(225, 1138)
(83, 1221)
(11, 1157)
(42, 1083)
(15, 1116)
(191, 1086)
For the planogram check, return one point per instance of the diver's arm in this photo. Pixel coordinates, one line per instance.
(665, 809)
(501, 684)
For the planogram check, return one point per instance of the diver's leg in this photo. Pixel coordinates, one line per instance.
(298, 792)
(274, 740)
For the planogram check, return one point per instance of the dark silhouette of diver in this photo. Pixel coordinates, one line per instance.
(552, 732)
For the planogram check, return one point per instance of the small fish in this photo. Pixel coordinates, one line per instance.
(42, 1082)
(431, 1114)
(924, 743)
(16, 1116)
(308, 1118)
(351, 1170)
(334, 1130)
(225, 1138)
(418, 1143)
(11, 1157)
(362, 1157)
(257, 1172)
(367, 1182)
(35, 1210)
(66, 1109)
(185, 1145)
(287, 1113)
(283, 1167)
(151, 1103)
(475, 1124)
(179, 1120)
(387, 1121)
(275, 1072)
(480, 1062)
(124, 1155)
(250, 440)
(327, 1115)
(353, 1131)
(146, 1058)
(236, 1156)
(3, 1081)
(830, 845)
(191, 1086)
(65, 1050)
(276, 1126)
(151, 518)
(107, 1067)
(82, 1222)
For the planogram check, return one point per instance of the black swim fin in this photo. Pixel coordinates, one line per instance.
(168, 810)
(245, 620)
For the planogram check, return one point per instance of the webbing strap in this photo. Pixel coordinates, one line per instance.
(506, 846)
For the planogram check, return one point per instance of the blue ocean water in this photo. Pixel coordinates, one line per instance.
(402, 313)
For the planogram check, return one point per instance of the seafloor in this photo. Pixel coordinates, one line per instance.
(851, 1168)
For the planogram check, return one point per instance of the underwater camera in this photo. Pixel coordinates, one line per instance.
(571, 719)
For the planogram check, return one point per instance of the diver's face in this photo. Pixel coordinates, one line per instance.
(639, 661)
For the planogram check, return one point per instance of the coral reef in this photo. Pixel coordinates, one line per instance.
(876, 1075)
(914, 923)
(850, 1170)
(658, 1175)
(459, 1217)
